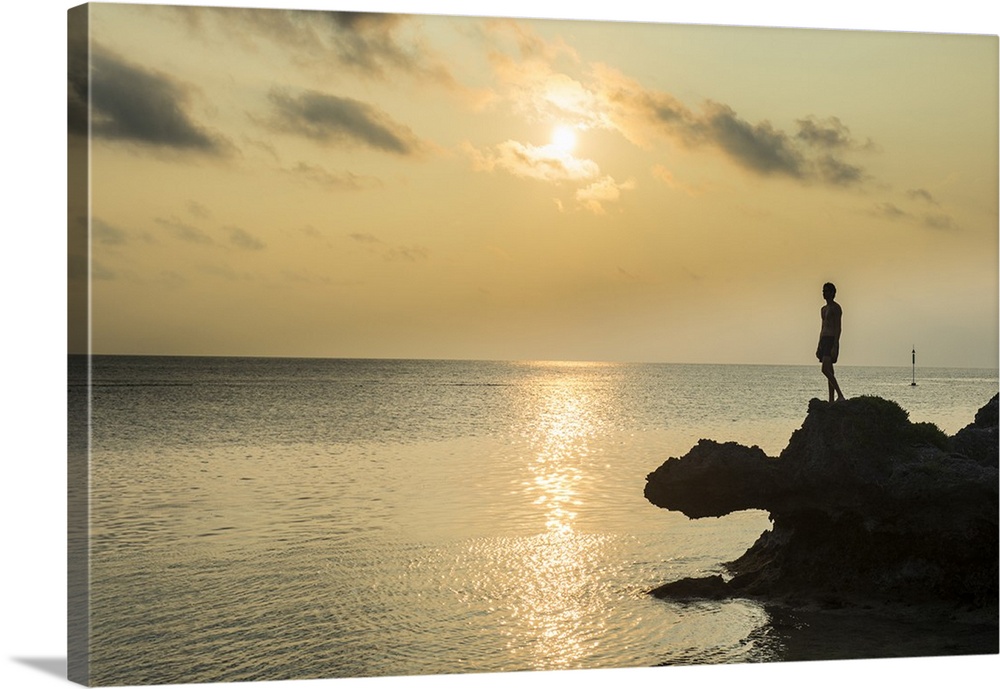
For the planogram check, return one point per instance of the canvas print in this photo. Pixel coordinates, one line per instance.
(422, 344)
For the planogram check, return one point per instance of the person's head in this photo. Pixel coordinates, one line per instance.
(829, 290)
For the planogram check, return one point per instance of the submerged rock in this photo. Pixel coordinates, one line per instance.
(864, 504)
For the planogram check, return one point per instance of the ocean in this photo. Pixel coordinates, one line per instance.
(265, 519)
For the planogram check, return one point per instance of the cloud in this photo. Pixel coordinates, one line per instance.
(104, 233)
(638, 278)
(237, 237)
(922, 195)
(541, 94)
(548, 163)
(529, 82)
(133, 104)
(185, 232)
(603, 191)
(407, 253)
(226, 272)
(199, 210)
(839, 173)
(643, 115)
(511, 36)
(242, 239)
(602, 97)
(938, 222)
(372, 45)
(829, 133)
(411, 253)
(369, 42)
(663, 174)
(346, 181)
(889, 211)
(327, 119)
(757, 147)
(169, 279)
(638, 113)
(99, 271)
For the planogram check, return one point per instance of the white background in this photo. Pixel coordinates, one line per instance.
(32, 416)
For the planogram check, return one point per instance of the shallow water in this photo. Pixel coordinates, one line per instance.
(271, 519)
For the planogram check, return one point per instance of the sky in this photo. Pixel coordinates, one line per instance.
(340, 184)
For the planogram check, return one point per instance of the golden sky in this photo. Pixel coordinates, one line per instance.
(315, 183)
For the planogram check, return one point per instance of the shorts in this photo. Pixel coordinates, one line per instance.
(828, 347)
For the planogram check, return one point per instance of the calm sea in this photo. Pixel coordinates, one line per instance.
(297, 518)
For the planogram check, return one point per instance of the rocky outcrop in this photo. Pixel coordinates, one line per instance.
(864, 504)
(980, 439)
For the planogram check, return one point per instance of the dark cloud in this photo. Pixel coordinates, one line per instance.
(365, 238)
(922, 195)
(829, 133)
(760, 148)
(940, 222)
(839, 173)
(133, 104)
(355, 21)
(373, 45)
(242, 239)
(104, 233)
(890, 211)
(377, 44)
(328, 118)
(366, 40)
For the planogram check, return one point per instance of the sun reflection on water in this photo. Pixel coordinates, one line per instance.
(559, 445)
(557, 566)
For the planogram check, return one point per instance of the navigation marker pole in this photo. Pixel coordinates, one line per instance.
(914, 383)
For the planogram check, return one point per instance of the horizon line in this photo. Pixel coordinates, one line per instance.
(907, 365)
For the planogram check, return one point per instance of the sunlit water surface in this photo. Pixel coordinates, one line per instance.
(271, 519)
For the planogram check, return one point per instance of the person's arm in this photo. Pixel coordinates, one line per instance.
(836, 320)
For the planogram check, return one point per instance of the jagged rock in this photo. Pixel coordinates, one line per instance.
(702, 587)
(694, 486)
(980, 440)
(864, 504)
(987, 416)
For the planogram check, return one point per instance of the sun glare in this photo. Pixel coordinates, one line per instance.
(564, 138)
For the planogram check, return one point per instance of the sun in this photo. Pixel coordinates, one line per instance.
(564, 138)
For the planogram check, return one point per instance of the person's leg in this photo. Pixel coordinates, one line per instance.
(836, 386)
(831, 379)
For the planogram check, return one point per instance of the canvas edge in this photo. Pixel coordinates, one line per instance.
(78, 345)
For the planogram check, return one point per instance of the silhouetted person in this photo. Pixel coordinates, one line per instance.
(829, 338)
